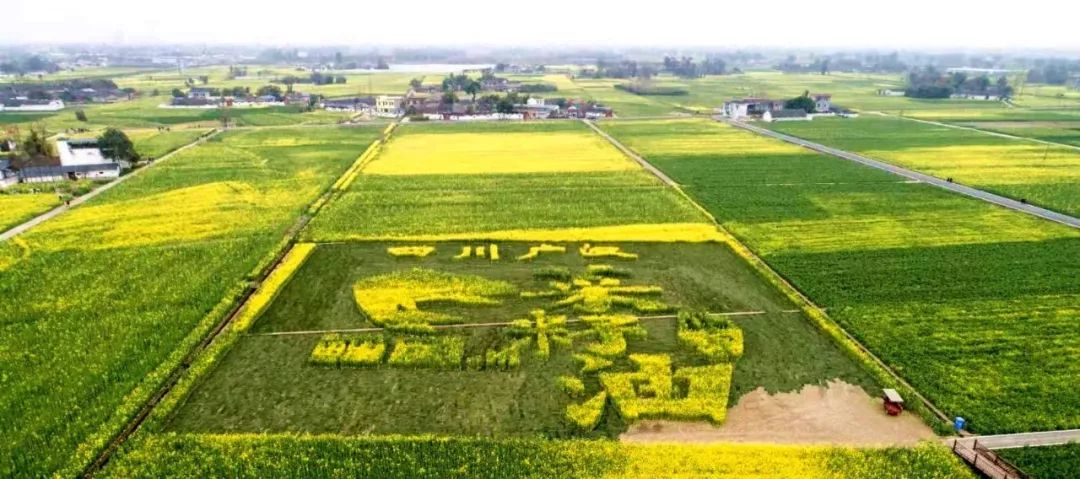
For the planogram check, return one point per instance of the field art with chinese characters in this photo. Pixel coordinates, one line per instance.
(974, 304)
(508, 339)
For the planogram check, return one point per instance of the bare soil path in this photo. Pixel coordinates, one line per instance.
(837, 414)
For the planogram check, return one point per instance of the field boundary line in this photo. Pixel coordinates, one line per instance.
(980, 130)
(964, 190)
(206, 343)
(57, 211)
(501, 324)
(815, 313)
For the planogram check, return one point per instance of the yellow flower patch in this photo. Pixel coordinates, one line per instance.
(493, 153)
(659, 233)
(396, 298)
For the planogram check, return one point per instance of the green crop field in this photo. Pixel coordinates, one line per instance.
(1043, 175)
(459, 180)
(1047, 462)
(1066, 132)
(973, 304)
(102, 301)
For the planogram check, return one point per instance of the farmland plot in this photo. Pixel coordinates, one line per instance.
(973, 304)
(113, 293)
(550, 181)
(17, 208)
(560, 331)
(1043, 175)
(198, 455)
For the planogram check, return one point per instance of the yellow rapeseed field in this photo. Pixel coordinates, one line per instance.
(660, 233)
(197, 212)
(17, 208)
(492, 153)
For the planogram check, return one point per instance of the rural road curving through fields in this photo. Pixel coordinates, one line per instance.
(915, 175)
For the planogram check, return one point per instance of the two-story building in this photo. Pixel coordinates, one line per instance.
(389, 105)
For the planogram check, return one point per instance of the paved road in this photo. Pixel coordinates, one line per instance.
(980, 130)
(1007, 441)
(20, 229)
(914, 175)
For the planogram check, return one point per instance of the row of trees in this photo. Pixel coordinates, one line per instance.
(686, 68)
(238, 92)
(928, 82)
(1054, 71)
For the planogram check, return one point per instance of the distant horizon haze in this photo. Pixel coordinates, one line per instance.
(1036, 25)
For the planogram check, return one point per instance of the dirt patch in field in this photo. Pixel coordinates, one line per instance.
(839, 413)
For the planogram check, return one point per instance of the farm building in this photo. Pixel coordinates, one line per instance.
(890, 92)
(822, 102)
(358, 104)
(17, 105)
(750, 107)
(203, 93)
(79, 159)
(786, 115)
(389, 105)
(990, 94)
(536, 108)
(8, 176)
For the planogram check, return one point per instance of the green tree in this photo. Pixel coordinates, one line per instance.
(803, 102)
(416, 83)
(116, 145)
(472, 88)
(80, 115)
(36, 143)
(272, 90)
(178, 93)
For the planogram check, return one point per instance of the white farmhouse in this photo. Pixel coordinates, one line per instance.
(79, 159)
(32, 105)
(387, 105)
(822, 102)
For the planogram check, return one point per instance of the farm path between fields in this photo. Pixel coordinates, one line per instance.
(915, 175)
(48, 215)
(837, 413)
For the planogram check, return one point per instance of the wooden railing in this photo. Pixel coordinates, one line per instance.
(986, 461)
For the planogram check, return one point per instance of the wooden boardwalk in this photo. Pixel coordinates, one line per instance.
(985, 460)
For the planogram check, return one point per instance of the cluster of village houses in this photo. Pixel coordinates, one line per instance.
(426, 102)
(46, 97)
(770, 110)
(78, 159)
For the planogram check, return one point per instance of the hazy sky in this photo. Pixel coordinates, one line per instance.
(783, 23)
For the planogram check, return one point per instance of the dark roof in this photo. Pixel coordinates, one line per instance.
(789, 113)
(82, 142)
